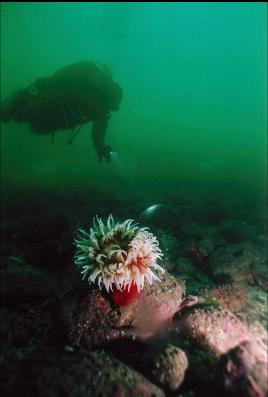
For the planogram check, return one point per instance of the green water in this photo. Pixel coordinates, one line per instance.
(193, 116)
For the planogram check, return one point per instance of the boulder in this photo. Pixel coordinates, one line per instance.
(90, 314)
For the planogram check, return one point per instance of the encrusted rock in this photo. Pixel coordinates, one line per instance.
(225, 353)
(236, 231)
(93, 374)
(246, 366)
(256, 308)
(229, 296)
(218, 331)
(236, 263)
(89, 313)
(169, 367)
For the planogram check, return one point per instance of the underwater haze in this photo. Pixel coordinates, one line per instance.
(193, 114)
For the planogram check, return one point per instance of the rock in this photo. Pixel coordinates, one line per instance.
(203, 371)
(27, 336)
(256, 307)
(223, 353)
(169, 368)
(246, 366)
(249, 303)
(199, 252)
(25, 283)
(184, 267)
(236, 231)
(230, 296)
(195, 278)
(217, 331)
(40, 239)
(88, 312)
(191, 231)
(27, 326)
(259, 271)
(94, 374)
(197, 236)
(5, 328)
(234, 262)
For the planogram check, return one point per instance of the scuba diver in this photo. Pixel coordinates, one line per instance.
(66, 100)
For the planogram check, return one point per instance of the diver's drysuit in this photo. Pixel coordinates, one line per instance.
(68, 99)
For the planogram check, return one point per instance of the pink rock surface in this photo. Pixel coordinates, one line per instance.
(246, 370)
(216, 330)
(89, 312)
(229, 296)
(243, 349)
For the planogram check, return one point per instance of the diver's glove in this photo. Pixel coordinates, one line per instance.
(105, 151)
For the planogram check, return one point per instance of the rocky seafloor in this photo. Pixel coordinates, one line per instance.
(201, 331)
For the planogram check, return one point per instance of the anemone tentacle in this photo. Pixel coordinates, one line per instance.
(117, 254)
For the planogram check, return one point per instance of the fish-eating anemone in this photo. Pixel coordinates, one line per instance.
(119, 257)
